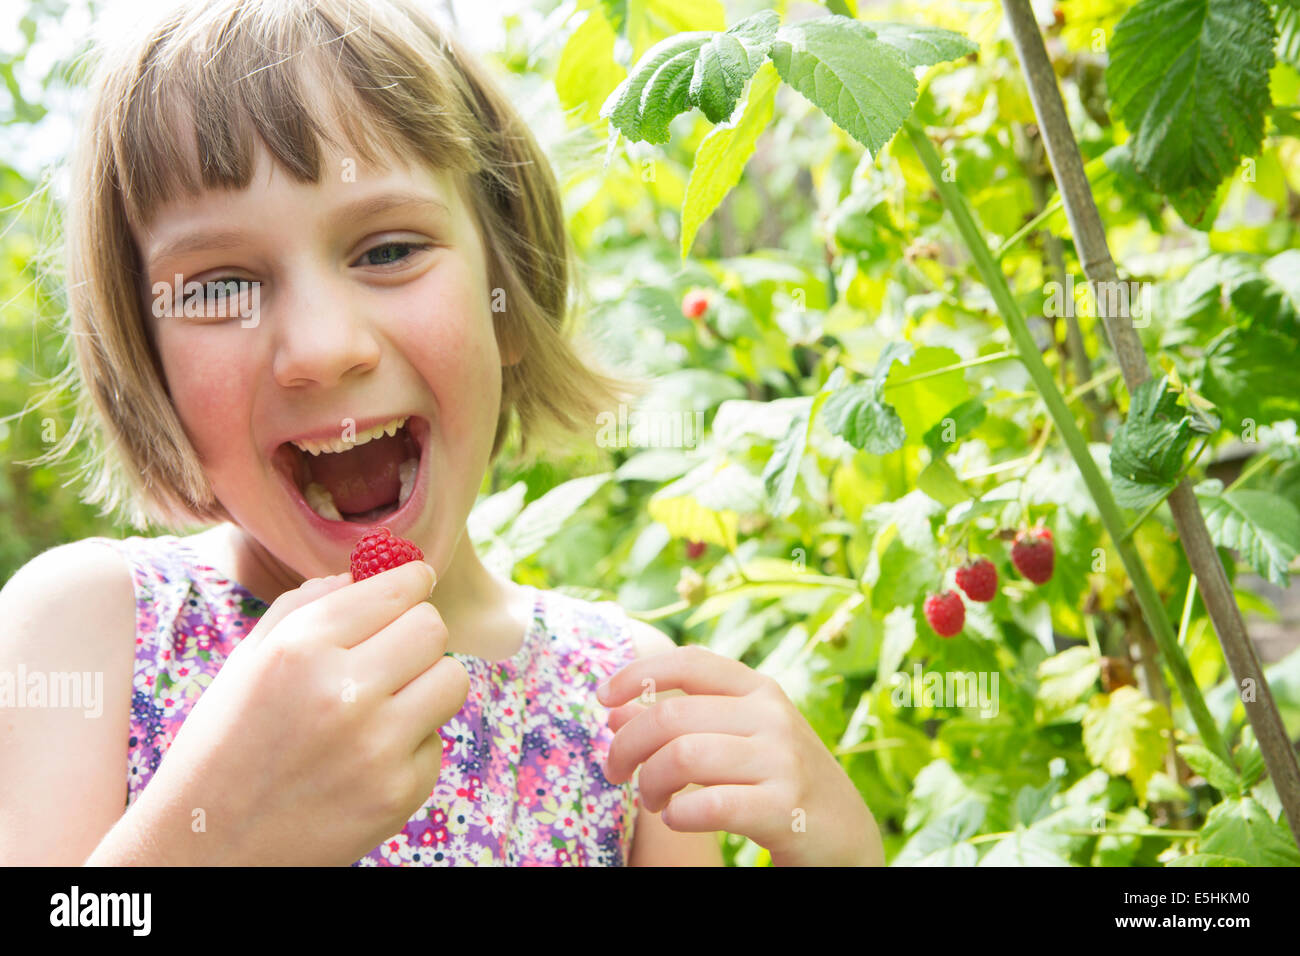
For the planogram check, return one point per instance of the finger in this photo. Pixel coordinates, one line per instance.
(619, 716)
(703, 759)
(671, 717)
(693, 669)
(751, 811)
(429, 701)
(400, 652)
(289, 601)
(351, 614)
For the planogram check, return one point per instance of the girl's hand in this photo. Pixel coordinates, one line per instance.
(319, 736)
(763, 771)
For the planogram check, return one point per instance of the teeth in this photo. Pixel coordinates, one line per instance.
(322, 502)
(336, 445)
(406, 471)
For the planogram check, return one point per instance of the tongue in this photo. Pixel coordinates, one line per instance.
(364, 477)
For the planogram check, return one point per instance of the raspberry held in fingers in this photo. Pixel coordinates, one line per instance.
(379, 550)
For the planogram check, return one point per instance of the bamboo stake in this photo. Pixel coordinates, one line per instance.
(1098, 266)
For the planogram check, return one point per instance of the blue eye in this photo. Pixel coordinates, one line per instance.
(392, 252)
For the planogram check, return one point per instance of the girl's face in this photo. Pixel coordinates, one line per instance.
(372, 308)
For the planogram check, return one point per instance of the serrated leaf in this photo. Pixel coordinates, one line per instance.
(544, 517)
(923, 45)
(657, 89)
(1190, 79)
(859, 415)
(1063, 680)
(1035, 803)
(1262, 527)
(1123, 734)
(1029, 848)
(490, 515)
(782, 468)
(1217, 773)
(1146, 454)
(943, 842)
(723, 153)
(840, 66)
(1253, 374)
(1242, 829)
(725, 64)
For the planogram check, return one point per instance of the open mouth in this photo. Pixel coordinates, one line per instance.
(361, 481)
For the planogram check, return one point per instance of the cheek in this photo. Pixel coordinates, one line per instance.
(209, 384)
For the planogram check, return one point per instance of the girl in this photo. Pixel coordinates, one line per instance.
(315, 263)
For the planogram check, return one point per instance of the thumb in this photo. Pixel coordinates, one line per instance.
(290, 601)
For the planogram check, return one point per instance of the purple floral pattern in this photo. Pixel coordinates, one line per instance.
(521, 781)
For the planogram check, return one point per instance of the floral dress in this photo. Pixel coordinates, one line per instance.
(521, 781)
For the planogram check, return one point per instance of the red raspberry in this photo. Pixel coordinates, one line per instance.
(979, 579)
(379, 550)
(695, 303)
(1034, 555)
(694, 549)
(945, 612)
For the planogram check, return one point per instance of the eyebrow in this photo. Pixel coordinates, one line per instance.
(357, 211)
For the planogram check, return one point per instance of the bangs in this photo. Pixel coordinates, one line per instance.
(287, 75)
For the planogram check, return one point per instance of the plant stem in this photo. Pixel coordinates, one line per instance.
(1099, 268)
(1259, 462)
(1152, 608)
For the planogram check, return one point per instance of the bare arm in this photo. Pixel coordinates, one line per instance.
(69, 610)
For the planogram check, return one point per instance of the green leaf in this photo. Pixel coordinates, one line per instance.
(1253, 374)
(922, 45)
(900, 635)
(1261, 526)
(783, 467)
(1034, 803)
(955, 425)
(587, 70)
(1029, 848)
(1063, 680)
(1217, 773)
(544, 517)
(1190, 79)
(1122, 734)
(1207, 859)
(859, 414)
(657, 89)
(1146, 455)
(839, 65)
(722, 155)
(943, 842)
(1242, 829)
(941, 483)
(725, 64)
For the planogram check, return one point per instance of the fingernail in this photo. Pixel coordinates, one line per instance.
(602, 692)
(434, 575)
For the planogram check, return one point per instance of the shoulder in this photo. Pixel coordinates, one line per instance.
(85, 579)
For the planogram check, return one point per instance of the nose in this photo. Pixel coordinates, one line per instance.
(321, 336)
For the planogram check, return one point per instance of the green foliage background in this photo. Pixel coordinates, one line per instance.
(837, 286)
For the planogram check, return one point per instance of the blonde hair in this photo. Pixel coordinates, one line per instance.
(234, 70)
